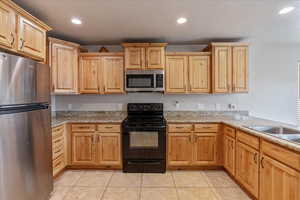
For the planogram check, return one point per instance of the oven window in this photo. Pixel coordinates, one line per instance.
(143, 139)
(140, 81)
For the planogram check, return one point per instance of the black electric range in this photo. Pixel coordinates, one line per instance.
(144, 138)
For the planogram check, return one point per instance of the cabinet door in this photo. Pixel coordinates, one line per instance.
(176, 74)
(32, 39)
(135, 58)
(205, 149)
(7, 26)
(199, 74)
(229, 157)
(247, 165)
(113, 68)
(240, 69)
(179, 149)
(64, 66)
(83, 149)
(89, 75)
(278, 181)
(222, 69)
(109, 149)
(155, 57)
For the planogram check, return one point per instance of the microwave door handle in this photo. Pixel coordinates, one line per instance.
(154, 85)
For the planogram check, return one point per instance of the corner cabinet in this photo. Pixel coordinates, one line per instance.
(143, 56)
(229, 67)
(59, 149)
(63, 61)
(101, 73)
(22, 33)
(188, 73)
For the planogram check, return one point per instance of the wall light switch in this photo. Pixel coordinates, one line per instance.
(69, 106)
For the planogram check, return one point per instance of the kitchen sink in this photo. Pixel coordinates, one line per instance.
(278, 131)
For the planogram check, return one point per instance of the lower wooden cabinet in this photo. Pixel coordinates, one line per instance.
(179, 149)
(109, 145)
(192, 148)
(229, 154)
(83, 148)
(247, 167)
(278, 181)
(205, 149)
(59, 149)
(96, 148)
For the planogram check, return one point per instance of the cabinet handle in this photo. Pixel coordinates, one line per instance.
(255, 158)
(104, 88)
(233, 87)
(190, 138)
(207, 127)
(108, 127)
(232, 145)
(93, 139)
(13, 39)
(262, 163)
(179, 127)
(22, 43)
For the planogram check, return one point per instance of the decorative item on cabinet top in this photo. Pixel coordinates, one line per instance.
(144, 56)
(17, 22)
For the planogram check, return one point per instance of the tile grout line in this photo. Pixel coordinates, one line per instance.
(73, 185)
(106, 186)
(177, 193)
(140, 192)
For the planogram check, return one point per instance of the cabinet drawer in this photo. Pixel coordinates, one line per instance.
(109, 128)
(83, 127)
(56, 152)
(57, 142)
(206, 128)
(180, 128)
(281, 154)
(229, 131)
(57, 131)
(248, 139)
(58, 164)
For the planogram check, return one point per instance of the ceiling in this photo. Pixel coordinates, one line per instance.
(115, 21)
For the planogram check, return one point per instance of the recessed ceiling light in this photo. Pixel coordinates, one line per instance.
(76, 21)
(181, 20)
(286, 10)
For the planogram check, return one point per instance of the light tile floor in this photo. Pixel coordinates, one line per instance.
(173, 185)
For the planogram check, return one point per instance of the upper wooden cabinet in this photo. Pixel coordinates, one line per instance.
(113, 70)
(188, 72)
(7, 26)
(89, 75)
(32, 38)
(240, 68)
(176, 74)
(143, 56)
(101, 73)
(22, 33)
(63, 60)
(229, 67)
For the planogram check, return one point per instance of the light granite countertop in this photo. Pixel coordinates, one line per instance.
(88, 117)
(182, 117)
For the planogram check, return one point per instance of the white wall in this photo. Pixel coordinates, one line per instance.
(273, 88)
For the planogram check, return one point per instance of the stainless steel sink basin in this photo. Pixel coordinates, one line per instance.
(280, 132)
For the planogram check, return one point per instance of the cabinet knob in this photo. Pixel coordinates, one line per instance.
(22, 43)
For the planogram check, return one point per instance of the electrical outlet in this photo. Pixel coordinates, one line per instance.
(69, 106)
(201, 106)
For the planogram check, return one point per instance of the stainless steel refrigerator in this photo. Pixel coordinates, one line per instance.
(25, 136)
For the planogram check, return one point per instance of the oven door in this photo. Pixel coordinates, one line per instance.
(144, 143)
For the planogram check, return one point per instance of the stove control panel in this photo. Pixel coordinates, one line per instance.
(145, 107)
